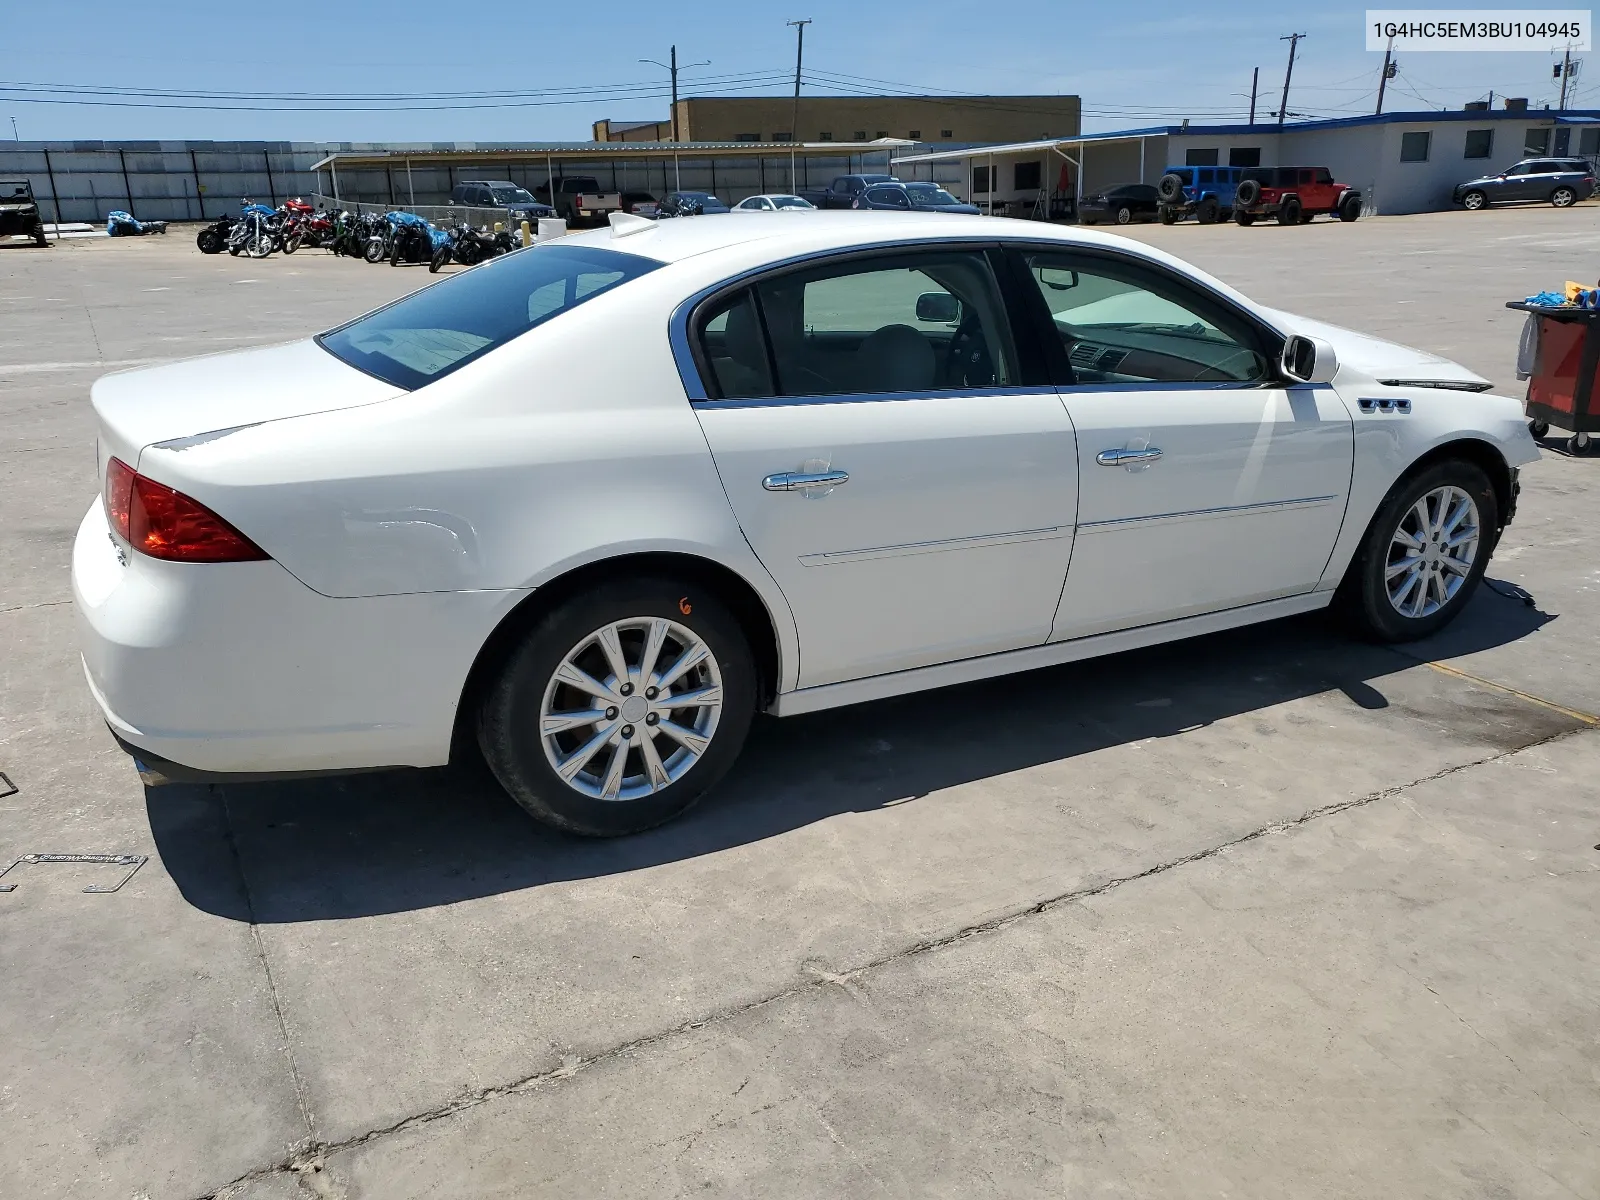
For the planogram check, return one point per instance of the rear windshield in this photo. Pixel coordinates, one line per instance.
(430, 333)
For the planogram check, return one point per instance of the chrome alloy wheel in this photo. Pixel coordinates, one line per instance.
(1432, 552)
(631, 708)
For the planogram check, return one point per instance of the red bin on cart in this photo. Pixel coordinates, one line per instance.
(1561, 390)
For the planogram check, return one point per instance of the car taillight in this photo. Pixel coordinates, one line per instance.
(166, 524)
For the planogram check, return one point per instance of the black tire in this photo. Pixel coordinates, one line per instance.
(1289, 212)
(1539, 429)
(209, 241)
(1306, 217)
(1166, 216)
(441, 256)
(1580, 445)
(1208, 210)
(1170, 188)
(1349, 207)
(373, 250)
(1248, 194)
(509, 713)
(1475, 200)
(39, 238)
(1124, 215)
(1563, 197)
(291, 243)
(1363, 593)
(394, 253)
(1243, 216)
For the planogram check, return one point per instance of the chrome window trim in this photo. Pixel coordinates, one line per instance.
(875, 397)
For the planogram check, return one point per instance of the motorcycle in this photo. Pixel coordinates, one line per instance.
(213, 239)
(124, 224)
(469, 246)
(411, 239)
(350, 233)
(256, 233)
(305, 226)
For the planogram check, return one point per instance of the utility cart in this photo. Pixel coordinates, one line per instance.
(1561, 390)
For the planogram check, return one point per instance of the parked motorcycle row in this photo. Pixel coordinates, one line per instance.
(399, 237)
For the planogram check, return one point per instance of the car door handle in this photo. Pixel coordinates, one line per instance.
(799, 481)
(1127, 458)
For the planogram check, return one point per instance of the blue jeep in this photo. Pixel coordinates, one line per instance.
(1207, 192)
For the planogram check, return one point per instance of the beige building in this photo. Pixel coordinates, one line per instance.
(856, 119)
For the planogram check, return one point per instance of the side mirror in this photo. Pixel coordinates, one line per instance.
(938, 308)
(1309, 360)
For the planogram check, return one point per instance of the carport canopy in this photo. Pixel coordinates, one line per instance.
(1070, 148)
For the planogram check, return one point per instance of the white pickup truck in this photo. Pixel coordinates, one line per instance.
(579, 198)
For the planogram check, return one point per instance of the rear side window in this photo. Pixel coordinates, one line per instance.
(430, 333)
(1322, 175)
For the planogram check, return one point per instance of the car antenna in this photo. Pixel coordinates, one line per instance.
(627, 224)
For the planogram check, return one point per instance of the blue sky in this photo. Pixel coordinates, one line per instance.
(1144, 64)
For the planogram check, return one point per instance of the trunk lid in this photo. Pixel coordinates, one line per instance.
(223, 392)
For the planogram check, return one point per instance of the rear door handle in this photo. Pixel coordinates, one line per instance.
(799, 481)
(1128, 458)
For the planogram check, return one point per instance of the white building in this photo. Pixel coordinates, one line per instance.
(1402, 162)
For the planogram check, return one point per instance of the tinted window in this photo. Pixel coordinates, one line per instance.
(1244, 156)
(883, 195)
(1536, 141)
(1025, 176)
(1183, 173)
(1480, 143)
(1322, 175)
(917, 323)
(1200, 158)
(430, 333)
(1124, 324)
(931, 197)
(1414, 146)
(511, 195)
(736, 350)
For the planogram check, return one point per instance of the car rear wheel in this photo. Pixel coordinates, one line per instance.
(1474, 200)
(1563, 197)
(1166, 215)
(1289, 212)
(1423, 553)
(1124, 215)
(1242, 216)
(621, 707)
(39, 238)
(1208, 210)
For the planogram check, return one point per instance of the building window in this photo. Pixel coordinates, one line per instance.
(947, 133)
(1589, 142)
(1199, 158)
(883, 133)
(1025, 176)
(980, 181)
(1563, 141)
(825, 136)
(747, 137)
(1480, 143)
(1536, 141)
(861, 135)
(915, 135)
(1414, 146)
(1244, 156)
(785, 136)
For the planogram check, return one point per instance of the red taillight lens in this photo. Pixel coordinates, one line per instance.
(119, 494)
(166, 524)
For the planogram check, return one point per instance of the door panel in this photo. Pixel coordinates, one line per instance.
(950, 538)
(1242, 505)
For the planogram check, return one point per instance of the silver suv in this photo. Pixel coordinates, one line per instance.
(1561, 181)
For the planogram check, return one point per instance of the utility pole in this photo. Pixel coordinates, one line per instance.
(799, 57)
(1390, 68)
(1255, 78)
(673, 68)
(1283, 105)
(1566, 71)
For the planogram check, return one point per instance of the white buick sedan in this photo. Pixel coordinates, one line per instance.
(594, 504)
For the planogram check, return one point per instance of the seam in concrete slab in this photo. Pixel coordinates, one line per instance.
(317, 1153)
(301, 1096)
(36, 604)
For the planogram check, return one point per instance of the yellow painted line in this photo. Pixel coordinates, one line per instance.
(1586, 718)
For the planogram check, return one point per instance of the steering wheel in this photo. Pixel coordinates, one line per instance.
(968, 362)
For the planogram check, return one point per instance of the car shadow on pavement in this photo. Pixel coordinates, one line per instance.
(368, 844)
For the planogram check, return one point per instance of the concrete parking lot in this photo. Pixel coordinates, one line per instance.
(1268, 914)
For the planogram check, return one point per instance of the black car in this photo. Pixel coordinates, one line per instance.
(1121, 205)
(691, 204)
(912, 197)
(19, 212)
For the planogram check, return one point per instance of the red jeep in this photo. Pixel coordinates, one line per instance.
(1294, 195)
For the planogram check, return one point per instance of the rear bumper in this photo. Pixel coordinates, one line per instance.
(240, 668)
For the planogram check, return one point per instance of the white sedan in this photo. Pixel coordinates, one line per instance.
(592, 505)
(774, 202)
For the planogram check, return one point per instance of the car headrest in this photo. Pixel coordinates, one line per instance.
(896, 359)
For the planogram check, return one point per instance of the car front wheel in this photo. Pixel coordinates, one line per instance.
(1124, 215)
(621, 707)
(1424, 552)
(1474, 200)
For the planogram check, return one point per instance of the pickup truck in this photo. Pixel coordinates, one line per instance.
(844, 190)
(579, 198)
